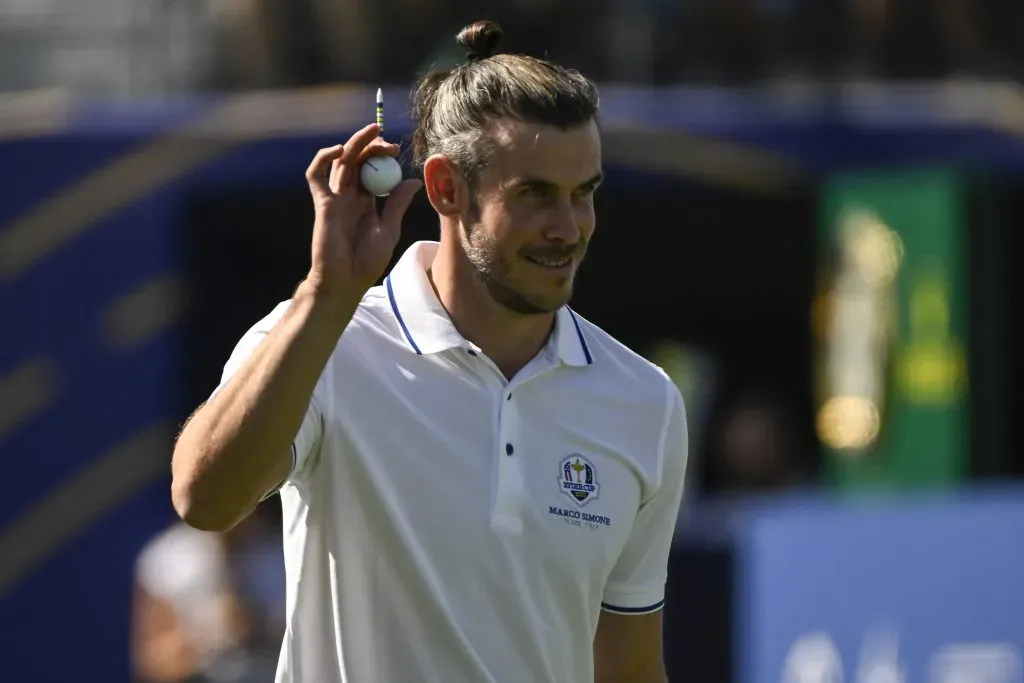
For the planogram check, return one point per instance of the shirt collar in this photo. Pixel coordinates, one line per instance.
(428, 329)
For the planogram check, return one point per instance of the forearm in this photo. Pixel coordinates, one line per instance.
(629, 648)
(631, 677)
(237, 447)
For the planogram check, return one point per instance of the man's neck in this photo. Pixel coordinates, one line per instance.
(509, 339)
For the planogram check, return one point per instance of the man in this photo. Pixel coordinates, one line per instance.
(478, 484)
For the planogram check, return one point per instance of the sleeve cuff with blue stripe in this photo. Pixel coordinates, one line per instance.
(649, 609)
(629, 602)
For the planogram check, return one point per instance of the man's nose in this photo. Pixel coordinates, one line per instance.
(563, 225)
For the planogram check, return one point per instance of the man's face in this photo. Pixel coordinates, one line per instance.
(534, 213)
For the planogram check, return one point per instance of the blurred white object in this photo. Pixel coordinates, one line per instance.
(189, 570)
(976, 663)
(813, 658)
(880, 659)
(104, 47)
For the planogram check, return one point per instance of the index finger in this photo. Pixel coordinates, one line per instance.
(318, 169)
(349, 161)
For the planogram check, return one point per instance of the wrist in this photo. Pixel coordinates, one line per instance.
(328, 302)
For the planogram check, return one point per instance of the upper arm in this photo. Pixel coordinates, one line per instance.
(636, 584)
(629, 648)
(300, 456)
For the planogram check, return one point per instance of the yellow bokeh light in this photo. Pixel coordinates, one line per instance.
(876, 249)
(848, 423)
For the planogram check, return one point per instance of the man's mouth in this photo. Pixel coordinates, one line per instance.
(548, 262)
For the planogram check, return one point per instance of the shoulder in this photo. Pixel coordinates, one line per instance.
(618, 365)
(372, 336)
(374, 314)
(643, 399)
(375, 308)
(374, 319)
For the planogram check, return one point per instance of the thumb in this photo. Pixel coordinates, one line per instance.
(398, 203)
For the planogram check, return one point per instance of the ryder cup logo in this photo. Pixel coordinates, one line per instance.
(578, 479)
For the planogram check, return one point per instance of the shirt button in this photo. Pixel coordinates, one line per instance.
(472, 352)
(508, 449)
(509, 397)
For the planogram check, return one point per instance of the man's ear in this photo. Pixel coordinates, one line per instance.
(446, 188)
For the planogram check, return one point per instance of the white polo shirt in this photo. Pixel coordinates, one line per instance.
(444, 524)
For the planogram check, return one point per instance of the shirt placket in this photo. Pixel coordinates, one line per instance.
(507, 513)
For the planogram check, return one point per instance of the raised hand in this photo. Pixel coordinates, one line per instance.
(352, 244)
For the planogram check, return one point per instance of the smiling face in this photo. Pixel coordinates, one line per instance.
(532, 215)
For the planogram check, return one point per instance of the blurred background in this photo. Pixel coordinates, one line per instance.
(811, 221)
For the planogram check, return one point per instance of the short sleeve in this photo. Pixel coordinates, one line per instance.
(307, 442)
(636, 584)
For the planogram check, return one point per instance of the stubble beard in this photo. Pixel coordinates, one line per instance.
(492, 270)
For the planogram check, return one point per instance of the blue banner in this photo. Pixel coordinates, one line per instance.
(925, 592)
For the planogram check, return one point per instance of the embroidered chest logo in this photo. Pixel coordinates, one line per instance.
(578, 479)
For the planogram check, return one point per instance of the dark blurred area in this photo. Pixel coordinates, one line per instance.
(810, 222)
(187, 45)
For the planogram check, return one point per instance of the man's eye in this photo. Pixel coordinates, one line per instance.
(537, 191)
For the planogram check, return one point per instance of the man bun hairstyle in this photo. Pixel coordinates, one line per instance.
(454, 108)
(479, 39)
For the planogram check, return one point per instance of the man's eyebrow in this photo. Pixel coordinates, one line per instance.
(536, 181)
(530, 180)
